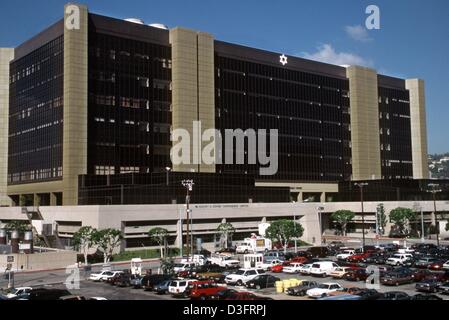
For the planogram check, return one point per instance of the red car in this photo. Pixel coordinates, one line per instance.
(277, 268)
(298, 260)
(204, 290)
(245, 296)
(436, 266)
(358, 257)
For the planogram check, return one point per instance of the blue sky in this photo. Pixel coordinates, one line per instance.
(413, 40)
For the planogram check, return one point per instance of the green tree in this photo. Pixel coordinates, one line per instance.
(83, 240)
(342, 218)
(19, 225)
(107, 240)
(159, 235)
(401, 218)
(381, 218)
(283, 231)
(225, 230)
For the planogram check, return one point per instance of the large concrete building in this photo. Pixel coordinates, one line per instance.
(93, 101)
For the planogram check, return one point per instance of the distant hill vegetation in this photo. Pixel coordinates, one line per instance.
(439, 165)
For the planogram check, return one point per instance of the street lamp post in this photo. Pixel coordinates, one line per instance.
(188, 184)
(167, 170)
(361, 185)
(296, 244)
(422, 225)
(320, 221)
(434, 191)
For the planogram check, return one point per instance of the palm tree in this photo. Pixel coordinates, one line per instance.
(225, 230)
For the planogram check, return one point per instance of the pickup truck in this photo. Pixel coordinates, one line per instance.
(243, 275)
(204, 290)
(399, 259)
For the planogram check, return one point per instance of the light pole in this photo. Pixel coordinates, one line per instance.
(296, 244)
(422, 225)
(434, 191)
(167, 170)
(361, 185)
(188, 184)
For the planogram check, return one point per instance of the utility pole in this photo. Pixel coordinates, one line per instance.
(361, 185)
(422, 225)
(188, 184)
(434, 191)
(167, 169)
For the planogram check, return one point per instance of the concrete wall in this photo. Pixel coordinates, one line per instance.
(418, 128)
(365, 137)
(6, 55)
(40, 261)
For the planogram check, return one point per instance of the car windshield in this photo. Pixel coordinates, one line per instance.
(178, 265)
(240, 272)
(316, 265)
(323, 286)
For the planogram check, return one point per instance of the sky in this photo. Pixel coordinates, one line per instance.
(412, 42)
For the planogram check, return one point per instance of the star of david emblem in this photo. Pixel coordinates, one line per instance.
(283, 59)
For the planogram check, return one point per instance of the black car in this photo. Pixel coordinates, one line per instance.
(262, 281)
(428, 285)
(369, 294)
(422, 297)
(46, 294)
(149, 281)
(394, 295)
(225, 294)
(444, 288)
(302, 288)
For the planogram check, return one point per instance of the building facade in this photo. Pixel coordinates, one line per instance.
(93, 103)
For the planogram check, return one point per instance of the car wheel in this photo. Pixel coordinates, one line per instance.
(258, 287)
(323, 295)
(240, 283)
(397, 284)
(203, 298)
(246, 252)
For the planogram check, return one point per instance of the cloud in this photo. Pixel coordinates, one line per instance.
(327, 54)
(358, 33)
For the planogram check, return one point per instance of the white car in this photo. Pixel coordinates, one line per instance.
(104, 275)
(398, 259)
(15, 292)
(446, 265)
(324, 289)
(292, 268)
(183, 266)
(323, 268)
(338, 273)
(179, 287)
(345, 254)
(305, 268)
(243, 275)
(268, 265)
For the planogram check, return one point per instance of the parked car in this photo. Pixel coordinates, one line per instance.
(224, 294)
(16, 292)
(424, 297)
(436, 266)
(399, 259)
(162, 287)
(428, 285)
(323, 268)
(302, 288)
(262, 281)
(425, 262)
(345, 254)
(446, 265)
(273, 255)
(358, 257)
(292, 268)
(444, 288)
(178, 288)
(339, 272)
(150, 281)
(185, 266)
(395, 295)
(46, 294)
(203, 290)
(421, 274)
(278, 268)
(396, 278)
(267, 266)
(324, 289)
(319, 252)
(305, 269)
(245, 296)
(243, 275)
(104, 275)
(356, 275)
(369, 294)
(301, 260)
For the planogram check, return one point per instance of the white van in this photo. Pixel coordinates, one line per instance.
(183, 266)
(178, 287)
(323, 268)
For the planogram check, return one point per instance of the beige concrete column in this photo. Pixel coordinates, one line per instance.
(6, 55)
(323, 197)
(365, 137)
(53, 200)
(75, 104)
(418, 127)
(300, 197)
(193, 90)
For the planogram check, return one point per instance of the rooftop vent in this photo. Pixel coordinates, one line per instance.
(159, 26)
(135, 20)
